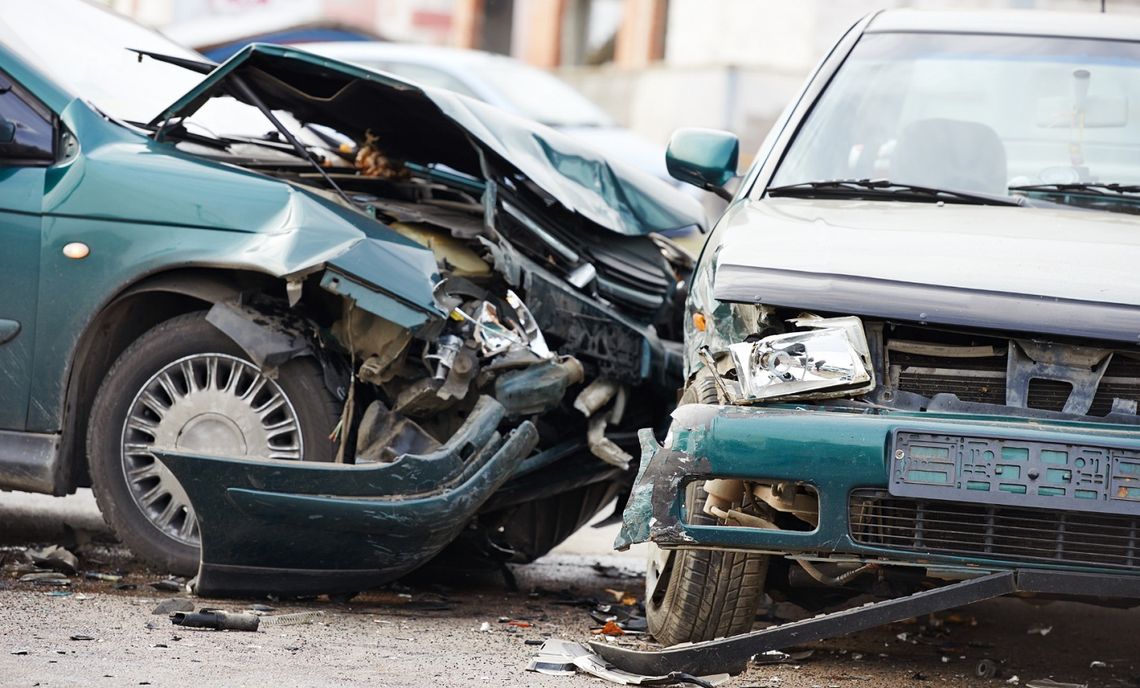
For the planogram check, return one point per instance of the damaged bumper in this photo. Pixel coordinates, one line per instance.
(301, 528)
(881, 500)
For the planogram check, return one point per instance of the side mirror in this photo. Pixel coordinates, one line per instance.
(7, 131)
(705, 158)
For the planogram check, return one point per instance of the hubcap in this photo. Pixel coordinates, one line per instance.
(211, 404)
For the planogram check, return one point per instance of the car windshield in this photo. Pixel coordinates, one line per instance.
(83, 48)
(978, 114)
(538, 95)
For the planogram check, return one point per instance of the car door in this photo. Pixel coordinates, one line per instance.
(27, 147)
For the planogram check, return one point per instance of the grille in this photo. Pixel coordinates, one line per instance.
(982, 380)
(994, 532)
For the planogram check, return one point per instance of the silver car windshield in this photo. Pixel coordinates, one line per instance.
(977, 113)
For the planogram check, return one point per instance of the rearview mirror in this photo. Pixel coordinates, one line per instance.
(705, 158)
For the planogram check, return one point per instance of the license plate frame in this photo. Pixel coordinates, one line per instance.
(1010, 471)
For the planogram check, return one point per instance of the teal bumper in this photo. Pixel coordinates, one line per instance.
(837, 451)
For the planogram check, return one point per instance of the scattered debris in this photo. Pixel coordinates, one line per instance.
(55, 558)
(18, 652)
(294, 619)
(485, 627)
(1050, 683)
(169, 585)
(781, 657)
(1097, 664)
(109, 577)
(217, 620)
(987, 668)
(610, 628)
(82, 637)
(562, 658)
(174, 604)
(45, 578)
(1040, 630)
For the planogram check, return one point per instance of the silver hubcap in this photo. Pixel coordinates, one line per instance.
(211, 404)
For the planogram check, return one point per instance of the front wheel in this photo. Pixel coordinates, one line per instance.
(184, 385)
(697, 595)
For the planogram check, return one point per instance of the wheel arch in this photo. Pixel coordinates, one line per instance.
(134, 310)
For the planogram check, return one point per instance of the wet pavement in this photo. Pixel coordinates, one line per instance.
(458, 632)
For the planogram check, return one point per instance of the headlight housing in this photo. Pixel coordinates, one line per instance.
(829, 360)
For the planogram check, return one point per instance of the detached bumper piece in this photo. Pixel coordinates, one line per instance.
(732, 654)
(306, 528)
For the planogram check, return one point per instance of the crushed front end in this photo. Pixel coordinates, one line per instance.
(871, 452)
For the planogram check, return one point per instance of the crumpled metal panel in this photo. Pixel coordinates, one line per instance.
(295, 528)
(428, 125)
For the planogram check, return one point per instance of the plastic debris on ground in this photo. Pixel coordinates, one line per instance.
(45, 578)
(55, 558)
(565, 658)
(217, 620)
(1040, 630)
(782, 657)
(1050, 683)
(174, 604)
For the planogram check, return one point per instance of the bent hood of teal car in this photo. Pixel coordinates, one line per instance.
(438, 128)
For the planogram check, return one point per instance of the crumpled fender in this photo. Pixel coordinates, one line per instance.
(305, 528)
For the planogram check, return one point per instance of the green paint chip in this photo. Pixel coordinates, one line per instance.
(1054, 457)
(1011, 488)
(1014, 454)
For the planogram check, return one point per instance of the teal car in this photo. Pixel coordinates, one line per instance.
(301, 325)
(911, 341)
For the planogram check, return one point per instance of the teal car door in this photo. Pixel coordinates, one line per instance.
(27, 147)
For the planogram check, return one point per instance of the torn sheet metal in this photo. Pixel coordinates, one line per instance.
(579, 179)
(563, 657)
(296, 528)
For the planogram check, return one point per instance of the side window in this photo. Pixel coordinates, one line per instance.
(27, 136)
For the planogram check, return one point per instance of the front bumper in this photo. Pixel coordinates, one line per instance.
(295, 528)
(839, 452)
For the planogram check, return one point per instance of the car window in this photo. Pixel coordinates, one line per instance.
(422, 74)
(26, 131)
(975, 113)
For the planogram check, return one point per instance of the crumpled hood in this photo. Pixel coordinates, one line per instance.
(1010, 267)
(436, 126)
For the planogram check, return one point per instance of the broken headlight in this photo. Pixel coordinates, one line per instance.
(830, 359)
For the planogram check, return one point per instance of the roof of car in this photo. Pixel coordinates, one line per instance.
(1092, 24)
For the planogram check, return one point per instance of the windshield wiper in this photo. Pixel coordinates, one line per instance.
(888, 189)
(1094, 188)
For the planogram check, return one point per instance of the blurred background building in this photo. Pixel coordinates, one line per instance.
(653, 65)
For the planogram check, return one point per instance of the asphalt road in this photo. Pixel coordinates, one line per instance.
(428, 633)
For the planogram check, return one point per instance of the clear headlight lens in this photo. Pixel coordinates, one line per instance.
(830, 360)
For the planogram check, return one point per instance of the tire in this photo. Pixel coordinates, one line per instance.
(696, 595)
(229, 409)
(537, 527)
